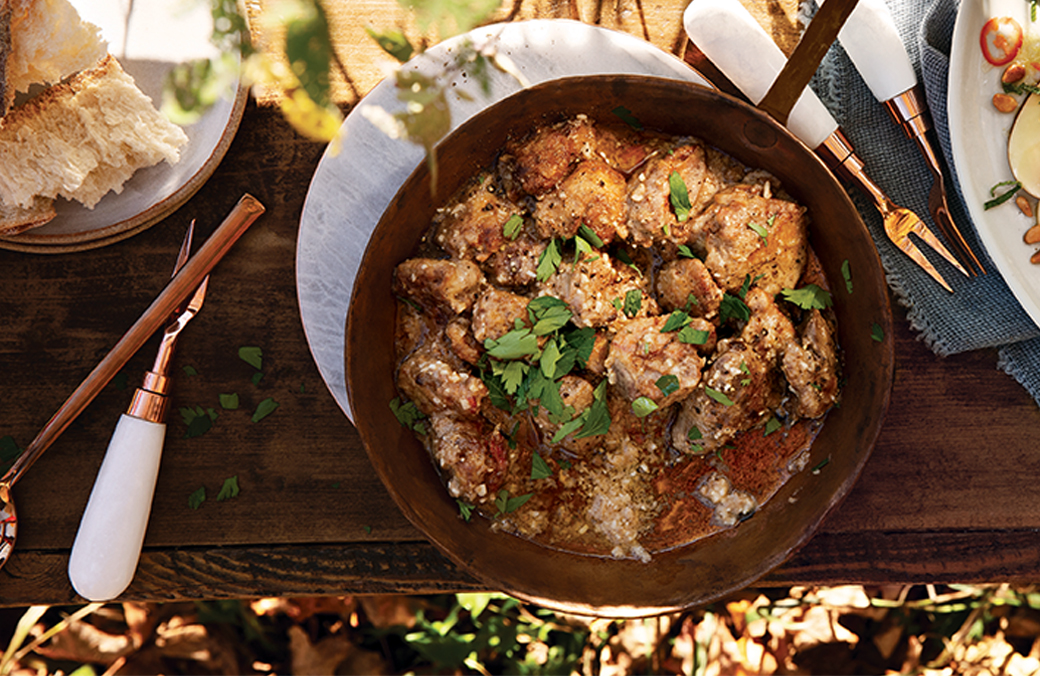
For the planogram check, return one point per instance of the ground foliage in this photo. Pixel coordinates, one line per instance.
(829, 630)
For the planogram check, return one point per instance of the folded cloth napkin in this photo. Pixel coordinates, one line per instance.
(982, 312)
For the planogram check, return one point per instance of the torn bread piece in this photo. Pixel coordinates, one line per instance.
(83, 138)
(16, 220)
(43, 42)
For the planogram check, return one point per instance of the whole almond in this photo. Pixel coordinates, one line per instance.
(1013, 73)
(1005, 103)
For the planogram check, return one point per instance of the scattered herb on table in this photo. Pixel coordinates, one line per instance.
(229, 489)
(264, 409)
(251, 355)
(229, 402)
(198, 497)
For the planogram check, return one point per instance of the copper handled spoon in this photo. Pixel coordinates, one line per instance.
(246, 211)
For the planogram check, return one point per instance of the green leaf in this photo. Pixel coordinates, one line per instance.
(257, 377)
(1007, 195)
(694, 434)
(677, 320)
(548, 261)
(596, 418)
(580, 343)
(229, 402)
(189, 370)
(668, 384)
(733, 307)
(465, 509)
(408, 414)
(685, 251)
(550, 356)
(264, 409)
(633, 302)
(393, 42)
(539, 467)
(718, 396)
(772, 425)
(808, 297)
(589, 235)
(252, 356)
(229, 489)
(877, 333)
(511, 229)
(513, 345)
(679, 196)
(507, 505)
(628, 118)
(692, 336)
(512, 374)
(198, 420)
(846, 272)
(198, 497)
(643, 406)
(548, 314)
(761, 231)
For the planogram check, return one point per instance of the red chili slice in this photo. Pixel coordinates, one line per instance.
(1001, 38)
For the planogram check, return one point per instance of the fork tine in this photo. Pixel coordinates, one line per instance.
(922, 231)
(195, 304)
(182, 255)
(949, 228)
(911, 250)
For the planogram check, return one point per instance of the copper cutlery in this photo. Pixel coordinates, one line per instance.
(872, 41)
(185, 282)
(727, 34)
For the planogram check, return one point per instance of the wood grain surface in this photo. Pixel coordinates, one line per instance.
(948, 495)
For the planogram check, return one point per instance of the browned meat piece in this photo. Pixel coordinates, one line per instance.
(412, 329)
(460, 338)
(474, 455)
(682, 278)
(495, 313)
(625, 148)
(740, 390)
(810, 365)
(769, 330)
(651, 217)
(437, 385)
(745, 233)
(516, 263)
(632, 439)
(539, 163)
(594, 194)
(577, 393)
(595, 290)
(472, 226)
(441, 287)
(641, 355)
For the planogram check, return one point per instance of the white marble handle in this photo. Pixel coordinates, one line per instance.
(738, 46)
(111, 532)
(872, 41)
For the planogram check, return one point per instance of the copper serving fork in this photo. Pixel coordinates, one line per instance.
(899, 221)
(108, 544)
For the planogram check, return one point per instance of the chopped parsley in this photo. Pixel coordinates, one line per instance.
(513, 345)
(846, 272)
(676, 321)
(733, 307)
(251, 355)
(549, 261)
(229, 402)
(877, 333)
(507, 505)
(633, 303)
(679, 196)
(465, 509)
(718, 396)
(643, 406)
(409, 415)
(197, 497)
(668, 384)
(589, 235)
(264, 409)
(539, 467)
(772, 425)
(692, 336)
(761, 231)
(229, 489)
(512, 226)
(628, 118)
(809, 297)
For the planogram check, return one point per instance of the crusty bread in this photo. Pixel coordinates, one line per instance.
(82, 138)
(43, 42)
(15, 220)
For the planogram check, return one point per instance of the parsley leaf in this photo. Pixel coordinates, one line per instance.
(633, 302)
(877, 333)
(198, 420)
(686, 252)
(772, 425)
(550, 357)
(465, 509)
(539, 467)
(229, 489)
(718, 396)
(197, 497)
(229, 402)
(643, 406)
(679, 196)
(692, 336)
(549, 261)
(513, 345)
(506, 504)
(512, 226)
(408, 414)
(547, 314)
(677, 320)
(668, 384)
(694, 434)
(733, 307)
(846, 272)
(264, 409)
(761, 231)
(190, 370)
(628, 118)
(597, 416)
(589, 235)
(252, 356)
(808, 297)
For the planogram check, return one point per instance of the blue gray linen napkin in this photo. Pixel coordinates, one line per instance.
(982, 312)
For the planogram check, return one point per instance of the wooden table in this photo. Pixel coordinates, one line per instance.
(948, 495)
